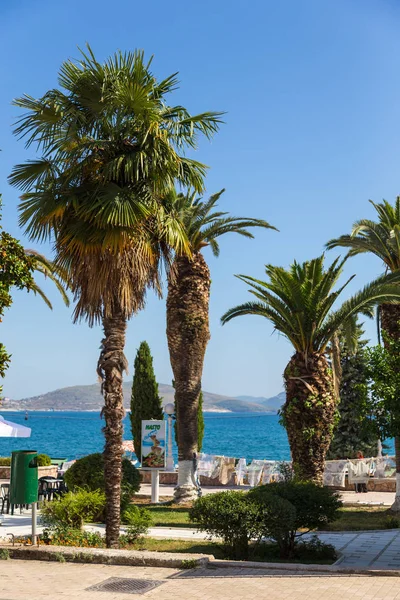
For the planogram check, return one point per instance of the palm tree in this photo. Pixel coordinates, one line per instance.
(187, 316)
(299, 302)
(111, 146)
(381, 238)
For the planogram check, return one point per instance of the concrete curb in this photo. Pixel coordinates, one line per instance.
(136, 558)
(108, 556)
(302, 568)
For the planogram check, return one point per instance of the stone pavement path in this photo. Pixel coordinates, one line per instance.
(368, 549)
(31, 580)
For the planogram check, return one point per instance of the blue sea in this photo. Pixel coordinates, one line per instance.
(74, 434)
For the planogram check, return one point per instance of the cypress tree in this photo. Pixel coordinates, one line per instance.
(354, 431)
(145, 400)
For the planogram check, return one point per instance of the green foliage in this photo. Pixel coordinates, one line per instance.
(204, 225)
(380, 237)
(106, 169)
(392, 522)
(146, 403)
(189, 563)
(315, 505)
(138, 521)
(200, 424)
(384, 384)
(43, 460)
(67, 536)
(315, 550)
(5, 461)
(290, 506)
(231, 516)
(88, 473)
(73, 509)
(15, 271)
(4, 554)
(355, 430)
(59, 557)
(298, 301)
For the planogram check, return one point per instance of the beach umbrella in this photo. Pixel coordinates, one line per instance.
(14, 430)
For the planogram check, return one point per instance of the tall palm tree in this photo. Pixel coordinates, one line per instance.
(299, 302)
(381, 238)
(111, 146)
(187, 315)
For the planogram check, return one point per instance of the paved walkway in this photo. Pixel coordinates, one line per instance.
(30, 580)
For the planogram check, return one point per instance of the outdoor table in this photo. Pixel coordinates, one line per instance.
(50, 486)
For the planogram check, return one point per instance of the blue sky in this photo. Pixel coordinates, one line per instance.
(312, 131)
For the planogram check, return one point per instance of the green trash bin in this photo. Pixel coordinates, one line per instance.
(24, 477)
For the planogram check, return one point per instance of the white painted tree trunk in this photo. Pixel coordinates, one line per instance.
(396, 504)
(187, 489)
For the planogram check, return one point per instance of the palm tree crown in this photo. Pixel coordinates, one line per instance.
(203, 224)
(381, 237)
(110, 146)
(299, 301)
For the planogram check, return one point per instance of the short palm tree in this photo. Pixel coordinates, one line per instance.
(299, 302)
(111, 146)
(381, 238)
(188, 314)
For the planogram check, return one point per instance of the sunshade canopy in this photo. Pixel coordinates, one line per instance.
(14, 430)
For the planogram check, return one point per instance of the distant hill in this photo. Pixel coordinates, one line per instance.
(273, 404)
(88, 398)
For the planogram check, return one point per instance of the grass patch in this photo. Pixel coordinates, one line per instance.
(169, 516)
(357, 518)
(263, 553)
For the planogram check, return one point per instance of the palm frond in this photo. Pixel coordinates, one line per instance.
(299, 302)
(381, 237)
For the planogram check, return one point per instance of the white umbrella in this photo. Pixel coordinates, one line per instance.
(15, 430)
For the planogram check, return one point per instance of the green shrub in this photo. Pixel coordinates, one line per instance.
(43, 460)
(392, 522)
(88, 472)
(138, 521)
(73, 509)
(65, 536)
(312, 507)
(314, 549)
(233, 516)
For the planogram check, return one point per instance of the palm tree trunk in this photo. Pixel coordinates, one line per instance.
(309, 413)
(112, 363)
(188, 334)
(390, 326)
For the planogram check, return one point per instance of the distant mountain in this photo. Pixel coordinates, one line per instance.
(88, 398)
(271, 404)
